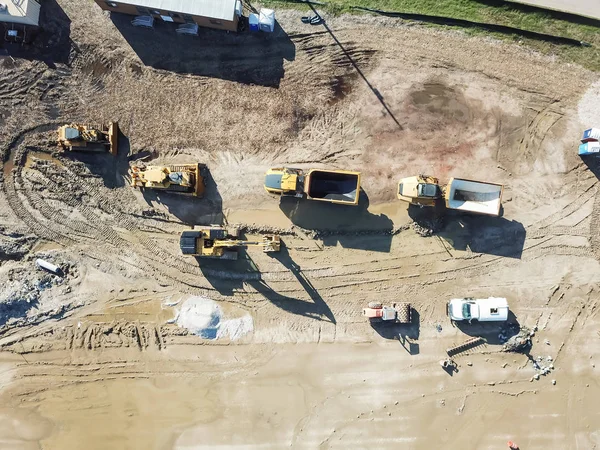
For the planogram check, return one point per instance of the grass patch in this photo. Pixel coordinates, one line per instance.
(472, 10)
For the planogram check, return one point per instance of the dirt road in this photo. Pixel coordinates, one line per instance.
(98, 357)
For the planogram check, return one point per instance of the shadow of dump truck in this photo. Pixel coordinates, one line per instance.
(349, 226)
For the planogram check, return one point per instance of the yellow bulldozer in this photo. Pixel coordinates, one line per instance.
(182, 178)
(218, 242)
(89, 138)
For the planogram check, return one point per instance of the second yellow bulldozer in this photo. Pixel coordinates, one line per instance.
(89, 138)
(182, 178)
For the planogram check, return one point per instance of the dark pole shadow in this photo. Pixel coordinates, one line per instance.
(244, 57)
(360, 72)
(494, 333)
(349, 226)
(406, 333)
(50, 42)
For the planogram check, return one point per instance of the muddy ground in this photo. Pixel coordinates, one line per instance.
(96, 359)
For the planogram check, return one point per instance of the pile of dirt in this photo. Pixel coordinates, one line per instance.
(520, 342)
(428, 226)
(14, 246)
(22, 291)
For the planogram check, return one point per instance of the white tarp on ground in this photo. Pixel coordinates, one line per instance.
(204, 317)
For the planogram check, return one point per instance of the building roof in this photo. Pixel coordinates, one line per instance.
(25, 12)
(215, 9)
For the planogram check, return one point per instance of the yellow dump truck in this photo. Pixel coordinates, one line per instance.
(89, 138)
(334, 186)
(220, 243)
(459, 194)
(182, 178)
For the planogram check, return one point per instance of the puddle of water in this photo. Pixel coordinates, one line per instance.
(146, 310)
(46, 246)
(442, 99)
(342, 86)
(23, 426)
(31, 156)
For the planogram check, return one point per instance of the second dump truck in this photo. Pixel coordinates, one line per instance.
(334, 186)
(460, 194)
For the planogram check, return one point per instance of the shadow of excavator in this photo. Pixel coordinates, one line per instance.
(317, 308)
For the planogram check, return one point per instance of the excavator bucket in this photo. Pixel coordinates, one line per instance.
(271, 243)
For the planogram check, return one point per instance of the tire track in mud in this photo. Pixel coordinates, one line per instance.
(23, 211)
(79, 228)
(595, 227)
(14, 85)
(18, 207)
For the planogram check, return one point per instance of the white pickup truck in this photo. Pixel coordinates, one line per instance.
(493, 309)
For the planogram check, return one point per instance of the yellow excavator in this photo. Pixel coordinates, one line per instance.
(218, 242)
(183, 178)
(89, 138)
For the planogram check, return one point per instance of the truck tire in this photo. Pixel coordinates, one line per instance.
(375, 305)
(404, 311)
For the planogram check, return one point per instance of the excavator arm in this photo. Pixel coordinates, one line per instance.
(270, 243)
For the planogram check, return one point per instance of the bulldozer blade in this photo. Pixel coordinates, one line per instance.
(113, 134)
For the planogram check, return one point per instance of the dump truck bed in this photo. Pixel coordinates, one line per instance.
(474, 196)
(335, 186)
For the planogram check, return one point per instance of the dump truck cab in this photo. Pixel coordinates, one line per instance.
(421, 190)
(493, 309)
(285, 181)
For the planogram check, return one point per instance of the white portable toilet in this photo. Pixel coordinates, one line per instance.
(267, 20)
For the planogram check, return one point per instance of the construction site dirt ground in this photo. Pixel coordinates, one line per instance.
(97, 359)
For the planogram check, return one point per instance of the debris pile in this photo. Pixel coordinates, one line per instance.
(13, 245)
(22, 289)
(428, 226)
(520, 342)
(543, 366)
